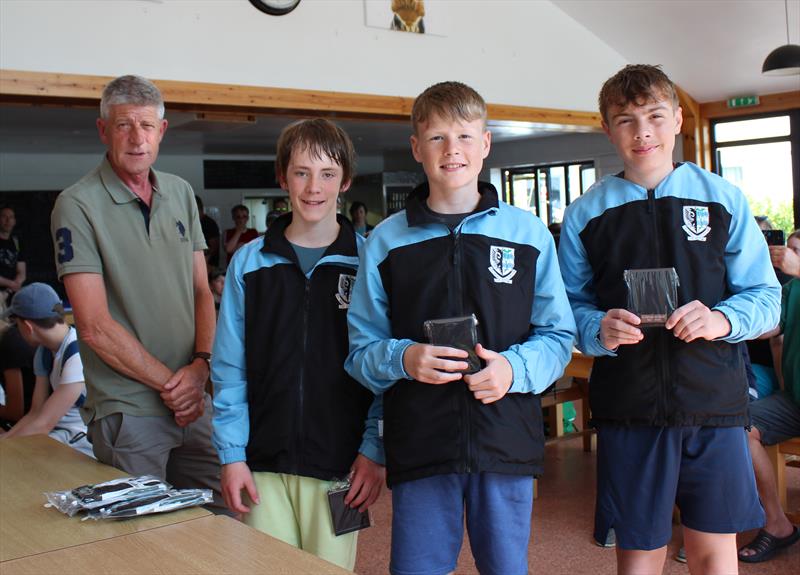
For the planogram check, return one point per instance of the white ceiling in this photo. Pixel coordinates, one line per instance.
(713, 49)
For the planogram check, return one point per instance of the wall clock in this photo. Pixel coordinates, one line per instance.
(275, 7)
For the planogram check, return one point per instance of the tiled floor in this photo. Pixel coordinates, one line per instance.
(562, 526)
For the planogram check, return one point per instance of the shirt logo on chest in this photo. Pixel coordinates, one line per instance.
(695, 223)
(181, 230)
(501, 264)
(345, 290)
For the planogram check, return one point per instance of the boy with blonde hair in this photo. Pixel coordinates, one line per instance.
(670, 401)
(288, 420)
(456, 441)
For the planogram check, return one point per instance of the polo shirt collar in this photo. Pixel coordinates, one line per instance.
(119, 192)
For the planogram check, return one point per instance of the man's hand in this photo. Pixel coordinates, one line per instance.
(234, 478)
(366, 483)
(185, 389)
(785, 259)
(618, 327)
(696, 321)
(431, 363)
(493, 381)
(190, 414)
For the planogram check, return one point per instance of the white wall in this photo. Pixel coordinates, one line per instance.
(522, 52)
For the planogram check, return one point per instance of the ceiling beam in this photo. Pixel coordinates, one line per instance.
(22, 87)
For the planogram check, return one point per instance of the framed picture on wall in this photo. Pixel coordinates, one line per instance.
(410, 16)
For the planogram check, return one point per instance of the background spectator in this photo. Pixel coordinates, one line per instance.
(240, 234)
(210, 233)
(12, 259)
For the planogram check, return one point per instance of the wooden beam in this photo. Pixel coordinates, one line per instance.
(22, 87)
(768, 103)
(693, 142)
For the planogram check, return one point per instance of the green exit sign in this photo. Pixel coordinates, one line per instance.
(743, 102)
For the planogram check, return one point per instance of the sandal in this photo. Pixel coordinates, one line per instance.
(765, 545)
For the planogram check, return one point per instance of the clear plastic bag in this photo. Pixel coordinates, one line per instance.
(457, 332)
(652, 294)
(91, 496)
(154, 503)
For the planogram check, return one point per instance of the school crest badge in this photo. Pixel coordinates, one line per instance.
(345, 290)
(695, 223)
(501, 264)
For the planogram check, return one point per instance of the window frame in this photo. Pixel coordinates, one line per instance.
(534, 171)
(793, 138)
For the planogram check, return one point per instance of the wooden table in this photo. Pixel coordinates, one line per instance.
(29, 466)
(209, 545)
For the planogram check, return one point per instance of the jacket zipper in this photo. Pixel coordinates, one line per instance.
(301, 386)
(456, 235)
(663, 344)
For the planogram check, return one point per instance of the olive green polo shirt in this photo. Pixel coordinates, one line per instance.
(98, 227)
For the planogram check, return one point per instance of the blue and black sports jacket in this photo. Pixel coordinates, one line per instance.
(282, 400)
(500, 264)
(701, 225)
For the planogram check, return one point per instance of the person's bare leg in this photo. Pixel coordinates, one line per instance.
(710, 553)
(638, 562)
(777, 524)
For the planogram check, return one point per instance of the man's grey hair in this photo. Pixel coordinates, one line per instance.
(131, 90)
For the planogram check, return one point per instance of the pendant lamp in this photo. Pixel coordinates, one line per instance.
(784, 60)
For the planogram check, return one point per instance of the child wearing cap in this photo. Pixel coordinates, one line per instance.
(59, 389)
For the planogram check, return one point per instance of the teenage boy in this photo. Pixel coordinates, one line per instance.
(59, 389)
(288, 420)
(455, 440)
(670, 402)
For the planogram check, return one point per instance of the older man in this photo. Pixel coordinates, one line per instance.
(129, 249)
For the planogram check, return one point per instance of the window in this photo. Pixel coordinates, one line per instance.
(547, 190)
(755, 154)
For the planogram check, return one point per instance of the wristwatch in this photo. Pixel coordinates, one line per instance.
(204, 355)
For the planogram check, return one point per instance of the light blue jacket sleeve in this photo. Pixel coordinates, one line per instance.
(754, 305)
(231, 419)
(577, 275)
(372, 443)
(375, 359)
(541, 360)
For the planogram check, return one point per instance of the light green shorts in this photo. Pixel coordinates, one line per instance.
(295, 509)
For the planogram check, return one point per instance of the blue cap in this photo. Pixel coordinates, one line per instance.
(35, 301)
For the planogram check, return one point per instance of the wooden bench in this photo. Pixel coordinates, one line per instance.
(574, 386)
(777, 454)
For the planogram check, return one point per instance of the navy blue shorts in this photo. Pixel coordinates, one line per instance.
(643, 471)
(428, 523)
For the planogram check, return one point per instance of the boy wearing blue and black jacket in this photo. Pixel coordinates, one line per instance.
(288, 420)
(669, 403)
(455, 440)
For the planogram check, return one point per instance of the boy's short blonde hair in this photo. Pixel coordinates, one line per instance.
(638, 84)
(321, 138)
(450, 101)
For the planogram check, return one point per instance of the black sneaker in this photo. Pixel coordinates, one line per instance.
(611, 540)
